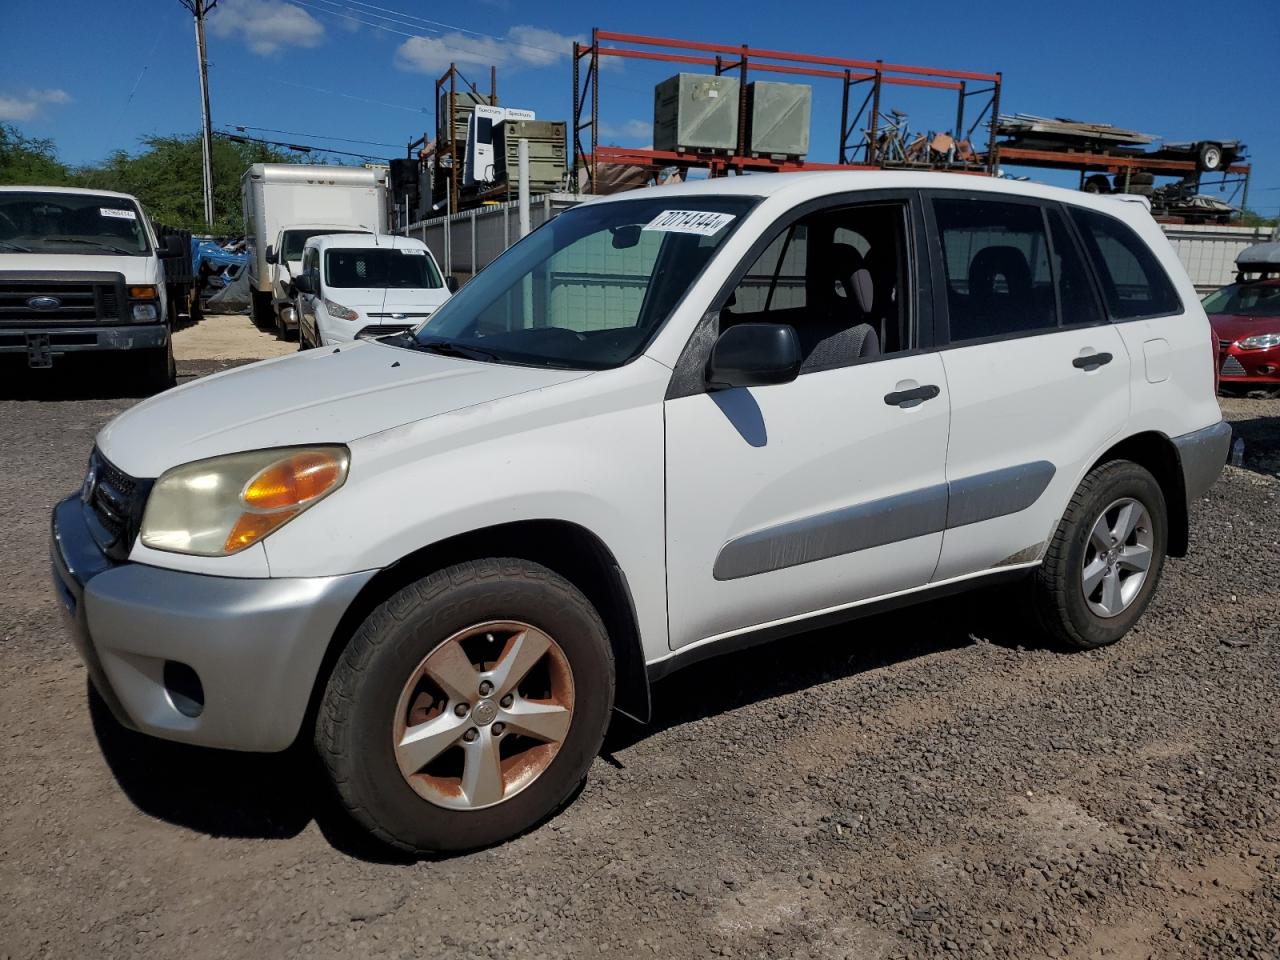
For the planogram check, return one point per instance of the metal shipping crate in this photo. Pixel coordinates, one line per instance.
(546, 152)
(778, 118)
(694, 111)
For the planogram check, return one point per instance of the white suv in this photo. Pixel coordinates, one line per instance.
(662, 426)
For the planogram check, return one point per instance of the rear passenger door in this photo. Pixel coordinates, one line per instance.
(1039, 378)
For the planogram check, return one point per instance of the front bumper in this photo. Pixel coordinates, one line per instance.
(80, 339)
(1202, 454)
(1249, 366)
(256, 645)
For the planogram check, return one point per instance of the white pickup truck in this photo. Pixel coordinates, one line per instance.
(83, 271)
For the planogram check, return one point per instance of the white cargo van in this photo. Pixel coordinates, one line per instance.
(284, 205)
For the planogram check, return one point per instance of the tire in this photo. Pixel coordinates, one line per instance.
(363, 713)
(1060, 603)
(1097, 184)
(263, 310)
(1209, 157)
(157, 367)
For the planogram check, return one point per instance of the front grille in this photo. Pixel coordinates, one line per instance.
(116, 501)
(1231, 367)
(68, 302)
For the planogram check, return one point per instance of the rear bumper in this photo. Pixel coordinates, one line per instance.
(86, 338)
(256, 645)
(1202, 454)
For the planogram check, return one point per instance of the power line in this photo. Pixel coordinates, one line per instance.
(314, 136)
(299, 147)
(411, 21)
(349, 96)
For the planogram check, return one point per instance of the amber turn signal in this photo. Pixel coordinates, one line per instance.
(142, 293)
(293, 481)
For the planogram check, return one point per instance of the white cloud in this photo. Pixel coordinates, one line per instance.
(24, 106)
(266, 25)
(630, 131)
(521, 46)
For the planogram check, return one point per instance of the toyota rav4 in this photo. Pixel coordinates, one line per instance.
(662, 426)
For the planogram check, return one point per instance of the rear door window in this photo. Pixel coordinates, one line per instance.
(995, 257)
(1134, 285)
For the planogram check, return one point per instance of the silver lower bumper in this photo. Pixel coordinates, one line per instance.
(256, 645)
(1202, 454)
(87, 338)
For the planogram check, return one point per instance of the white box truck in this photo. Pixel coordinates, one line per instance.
(284, 205)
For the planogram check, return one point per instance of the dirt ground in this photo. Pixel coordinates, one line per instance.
(925, 784)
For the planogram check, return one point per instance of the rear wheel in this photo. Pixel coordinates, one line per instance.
(468, 707)
(263, 310)
(1104, 561)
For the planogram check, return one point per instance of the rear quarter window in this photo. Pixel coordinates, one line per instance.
(1134, 285)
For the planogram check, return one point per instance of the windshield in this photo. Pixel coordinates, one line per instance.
(406, 267)
(39, 222)
(1245, 300)
(589, 289)
(292, 241)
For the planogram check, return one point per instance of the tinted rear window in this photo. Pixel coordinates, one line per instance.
(1133, 283)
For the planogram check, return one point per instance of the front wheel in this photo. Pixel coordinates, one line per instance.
(156, 367)
(1103, 563)
(468, 707)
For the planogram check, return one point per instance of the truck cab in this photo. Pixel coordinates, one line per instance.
(83, 271)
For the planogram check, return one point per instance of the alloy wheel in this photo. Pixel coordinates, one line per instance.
(483, 715)
(1117, 557)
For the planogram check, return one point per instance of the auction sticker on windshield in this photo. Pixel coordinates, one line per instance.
(118, 214)
(700, 222)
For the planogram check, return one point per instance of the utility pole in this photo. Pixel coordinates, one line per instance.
(199, 8)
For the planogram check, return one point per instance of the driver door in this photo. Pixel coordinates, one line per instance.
(791, 500)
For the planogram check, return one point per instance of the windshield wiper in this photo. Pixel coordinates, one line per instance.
(94, 243)
(450, 348)
(10, 245)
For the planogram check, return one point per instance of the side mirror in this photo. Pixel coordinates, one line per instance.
(302, 283)
(171, 247)
(270, 255)
(451, 283)
(754, 355)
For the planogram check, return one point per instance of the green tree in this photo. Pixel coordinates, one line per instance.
(29, 162)
(166, 175)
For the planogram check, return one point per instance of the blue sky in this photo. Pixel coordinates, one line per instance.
(104, 74)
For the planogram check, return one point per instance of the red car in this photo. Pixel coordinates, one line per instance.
(1246, 321)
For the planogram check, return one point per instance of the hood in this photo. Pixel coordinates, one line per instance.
(373, 300)
(1233, 326)
(140, 269)
(318, 396)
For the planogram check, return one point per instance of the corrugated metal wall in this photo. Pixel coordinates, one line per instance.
(1209, 251)
(468, 241)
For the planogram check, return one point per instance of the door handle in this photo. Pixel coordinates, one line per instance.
(1091, 361)
(913, 397)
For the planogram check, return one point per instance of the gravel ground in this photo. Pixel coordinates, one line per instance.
(927, 784)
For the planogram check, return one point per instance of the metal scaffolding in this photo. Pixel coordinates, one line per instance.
(864, 143)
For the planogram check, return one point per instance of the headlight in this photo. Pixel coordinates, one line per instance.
(143, 312)
(1263, 341)
(339, 311)
(216, 507)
